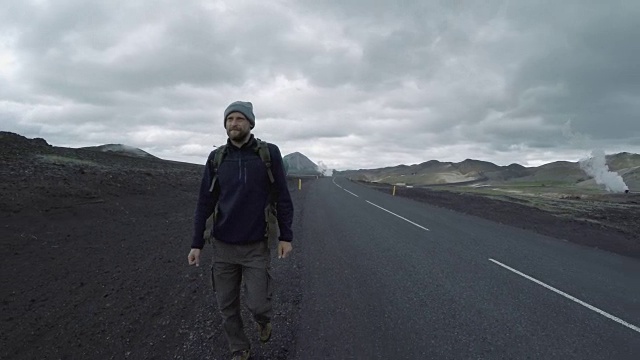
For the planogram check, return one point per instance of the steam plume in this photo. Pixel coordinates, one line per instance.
(322, 168)
(596, 167)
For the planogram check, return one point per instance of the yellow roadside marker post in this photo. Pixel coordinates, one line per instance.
(394, 190)
(299, 184)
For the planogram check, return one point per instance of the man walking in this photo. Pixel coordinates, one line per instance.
(242, 186)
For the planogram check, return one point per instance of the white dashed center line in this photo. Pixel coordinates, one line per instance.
(350, 193)
(590, 307)
(405, 219)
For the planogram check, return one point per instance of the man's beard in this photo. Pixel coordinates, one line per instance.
(238, 135)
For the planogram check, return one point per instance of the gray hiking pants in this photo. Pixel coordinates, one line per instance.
(233, 265)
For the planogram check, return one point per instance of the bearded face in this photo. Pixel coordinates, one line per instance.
(238, 127)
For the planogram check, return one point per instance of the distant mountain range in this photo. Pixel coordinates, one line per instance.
(295, 163)
(625, 166)
(470, 171)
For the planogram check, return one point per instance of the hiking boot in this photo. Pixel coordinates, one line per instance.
(265, 332)
(241, 355)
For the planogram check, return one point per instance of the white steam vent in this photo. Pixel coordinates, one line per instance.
(596, 167)
(323, 169)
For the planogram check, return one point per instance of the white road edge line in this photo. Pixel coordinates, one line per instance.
(407, 220)
(351, 193)
(590, 307)
(334, 183)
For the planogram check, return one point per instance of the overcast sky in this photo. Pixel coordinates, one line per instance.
(351, 83)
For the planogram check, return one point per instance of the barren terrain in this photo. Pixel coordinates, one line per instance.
(94, 260)
(601, 220)
(94, 246)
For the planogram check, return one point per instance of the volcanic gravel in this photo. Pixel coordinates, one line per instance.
(94, 248)
(94, 261)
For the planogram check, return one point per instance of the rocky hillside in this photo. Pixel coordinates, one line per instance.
(298, 164)
(121, 150)
(470, 171)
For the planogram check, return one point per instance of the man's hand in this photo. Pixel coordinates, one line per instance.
(194, 257)
(284, 248)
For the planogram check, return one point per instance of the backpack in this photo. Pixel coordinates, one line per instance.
(270, 214)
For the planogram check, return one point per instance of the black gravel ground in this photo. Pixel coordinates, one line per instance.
(94, 261)
(94, 247)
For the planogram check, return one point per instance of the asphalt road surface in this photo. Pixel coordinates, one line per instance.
(388, 278)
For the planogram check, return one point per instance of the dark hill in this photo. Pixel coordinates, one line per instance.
(298, 164)
(121, 150)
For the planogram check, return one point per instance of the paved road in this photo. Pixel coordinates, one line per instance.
(389, 278)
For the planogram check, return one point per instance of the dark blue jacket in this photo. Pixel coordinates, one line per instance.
(244, 193)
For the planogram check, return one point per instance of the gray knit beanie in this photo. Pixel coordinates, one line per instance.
(244, 107)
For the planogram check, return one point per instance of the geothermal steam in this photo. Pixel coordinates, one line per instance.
(322, 169)
(596, 167)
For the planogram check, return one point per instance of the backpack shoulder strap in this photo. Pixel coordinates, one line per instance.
(262, 148)
(218, 156)
(270, 211)
(215, 159)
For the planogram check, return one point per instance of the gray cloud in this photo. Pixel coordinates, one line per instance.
(352, 83)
